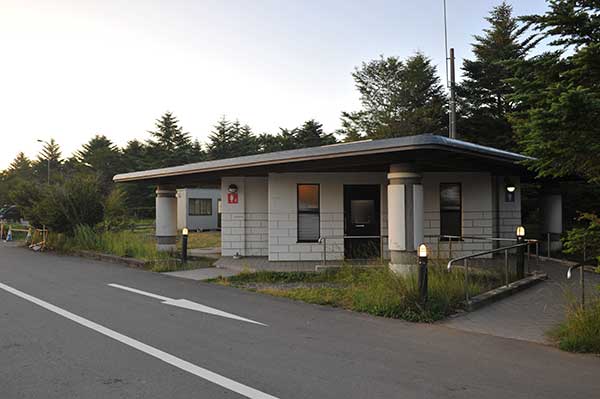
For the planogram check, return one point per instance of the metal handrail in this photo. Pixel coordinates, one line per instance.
(581, 266)
(451, 238)
(491, 251)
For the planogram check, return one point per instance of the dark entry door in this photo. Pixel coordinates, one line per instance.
(362, 216)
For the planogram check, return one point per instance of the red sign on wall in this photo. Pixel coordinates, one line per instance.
(232, 198)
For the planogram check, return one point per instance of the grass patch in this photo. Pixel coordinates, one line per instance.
(204, 239)
(376, 291)
(580, 332)
(121, 243)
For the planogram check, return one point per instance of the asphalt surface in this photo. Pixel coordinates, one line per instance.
(305, 351)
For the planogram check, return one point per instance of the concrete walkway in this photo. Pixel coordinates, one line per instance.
(530, 314)
(203, 274)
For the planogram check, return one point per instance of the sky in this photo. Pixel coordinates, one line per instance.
(73, 69)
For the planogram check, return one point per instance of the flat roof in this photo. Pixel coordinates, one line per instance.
(352, 151)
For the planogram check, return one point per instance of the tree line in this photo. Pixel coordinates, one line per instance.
(545, 105)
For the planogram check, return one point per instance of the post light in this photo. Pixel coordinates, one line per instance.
(184, 243)
(520, 252)
(422, 254)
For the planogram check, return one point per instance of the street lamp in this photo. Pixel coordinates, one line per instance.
(45, 142)
(422, 281)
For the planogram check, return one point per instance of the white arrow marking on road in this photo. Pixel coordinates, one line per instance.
(181, 364)
(184, 303)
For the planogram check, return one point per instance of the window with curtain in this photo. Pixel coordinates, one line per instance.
(450, 209)
(200, 207)
(309, 218)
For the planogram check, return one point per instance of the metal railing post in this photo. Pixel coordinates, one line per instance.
(581, 266)
(466, 264)
(537, 252)
(506, 272)
(549, 245)
(323, 240)
(582, 284)
(438, 257)
(528, 255)
(450, 249)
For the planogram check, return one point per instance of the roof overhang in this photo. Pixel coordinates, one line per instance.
(428, 152)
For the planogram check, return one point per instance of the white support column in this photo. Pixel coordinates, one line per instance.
(166, 218)
(405, 217)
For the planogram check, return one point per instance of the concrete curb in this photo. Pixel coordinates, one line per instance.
(112, 258)
(496, 294)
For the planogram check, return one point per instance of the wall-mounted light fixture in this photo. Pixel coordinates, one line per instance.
(232, 188)
(509, 194)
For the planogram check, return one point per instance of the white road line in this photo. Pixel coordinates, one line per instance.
(151, 295)
(184, 303)
(191, 368)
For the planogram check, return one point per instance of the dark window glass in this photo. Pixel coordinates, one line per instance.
(362, 211)
(450, 209)
(308, 213)
(200, 207)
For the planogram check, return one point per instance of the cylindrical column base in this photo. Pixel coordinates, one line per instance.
(403, 262)
(166, 218)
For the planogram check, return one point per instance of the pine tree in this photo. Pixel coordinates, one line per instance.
(399, 98)
(103, 158)
(558, 93)
(169, 144)
(220, 140)
(50, 154)
(484, 92)
(20, 165)
(311, 135)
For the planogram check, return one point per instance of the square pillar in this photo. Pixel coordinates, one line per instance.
(405, 217)
(166, 218)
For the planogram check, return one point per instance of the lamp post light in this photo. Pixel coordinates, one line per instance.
(422, 254)
(184, 244)
(520, 252)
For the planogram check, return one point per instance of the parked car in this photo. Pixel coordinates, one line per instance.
(10, 213)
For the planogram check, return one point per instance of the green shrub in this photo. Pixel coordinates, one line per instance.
(587, 234)
(581, 330)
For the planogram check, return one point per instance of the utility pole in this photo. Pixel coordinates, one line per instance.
(452, 124)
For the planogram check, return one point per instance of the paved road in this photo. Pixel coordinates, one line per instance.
(64, 333)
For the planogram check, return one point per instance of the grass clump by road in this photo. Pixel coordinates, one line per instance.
(580, 332)
(124, 243)
(376, 291)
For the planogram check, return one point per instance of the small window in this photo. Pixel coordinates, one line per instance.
(450, 209)
(309, 218)
(200, 207)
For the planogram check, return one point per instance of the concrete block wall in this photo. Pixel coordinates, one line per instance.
(477, 211)
(508, 213)
(283, 234)
(244, 226)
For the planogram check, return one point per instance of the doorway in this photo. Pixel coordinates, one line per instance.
(362, 221)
